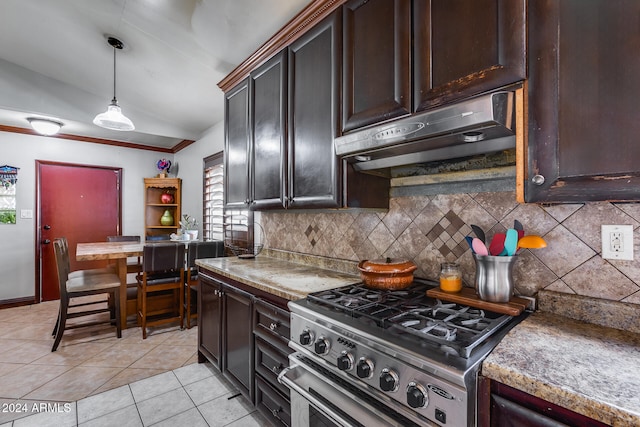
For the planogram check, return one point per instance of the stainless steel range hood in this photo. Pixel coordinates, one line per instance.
(479, 125)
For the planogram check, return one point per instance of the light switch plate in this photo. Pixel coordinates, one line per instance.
(26, 214)
(617, 242)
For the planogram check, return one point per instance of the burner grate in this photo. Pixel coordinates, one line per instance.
(410, 314)
(374, 304)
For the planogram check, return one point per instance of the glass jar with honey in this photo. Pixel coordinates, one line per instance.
(450, 277)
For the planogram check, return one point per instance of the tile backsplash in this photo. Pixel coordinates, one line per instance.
(431, 229)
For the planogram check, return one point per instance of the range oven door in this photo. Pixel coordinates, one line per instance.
(320, 398)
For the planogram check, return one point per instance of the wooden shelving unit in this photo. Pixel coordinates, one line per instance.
(154, 208)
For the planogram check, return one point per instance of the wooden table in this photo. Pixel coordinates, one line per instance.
(119, 252)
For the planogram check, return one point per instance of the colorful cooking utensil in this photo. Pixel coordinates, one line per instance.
(479, 247)
(469, 240)
(511, 241)
(518, 226)
(497, 244)
(479, 233)
(532, 242)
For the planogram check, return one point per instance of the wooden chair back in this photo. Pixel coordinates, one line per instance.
(61, 250)
(163, 258)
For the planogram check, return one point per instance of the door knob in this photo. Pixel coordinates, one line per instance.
(46, 241)
(47, 227)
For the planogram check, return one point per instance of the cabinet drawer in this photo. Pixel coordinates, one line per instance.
(271, 321)
(272, 404)
(269, 362)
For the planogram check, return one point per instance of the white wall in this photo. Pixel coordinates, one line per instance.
(189, 166)
(17, 242)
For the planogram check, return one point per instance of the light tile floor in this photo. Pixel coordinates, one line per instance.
(96, 379)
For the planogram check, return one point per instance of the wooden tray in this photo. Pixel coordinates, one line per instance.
(468, 296)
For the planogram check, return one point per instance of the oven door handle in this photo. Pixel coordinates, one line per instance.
(327, 410)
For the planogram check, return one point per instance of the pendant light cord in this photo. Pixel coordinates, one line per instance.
(115, 101)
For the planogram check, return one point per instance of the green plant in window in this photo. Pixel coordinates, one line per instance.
(8, 217)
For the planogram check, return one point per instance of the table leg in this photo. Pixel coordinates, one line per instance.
(121, 267)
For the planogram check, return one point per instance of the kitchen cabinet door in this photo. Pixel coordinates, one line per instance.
(511, 407)
(237, 147)
(268, 107)
(466, 47)
(314, 84)
(238, 339)
(209, 321)
(377, 54)
(583, 93)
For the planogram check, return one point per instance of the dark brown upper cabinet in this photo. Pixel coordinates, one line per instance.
(314, 90)
(583, 93)
(293, 117)
(237, 146)
(268, 107)
(445, 50)
(466, 47)
(377, 67)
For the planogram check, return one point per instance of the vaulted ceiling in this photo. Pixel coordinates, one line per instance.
(55, 61)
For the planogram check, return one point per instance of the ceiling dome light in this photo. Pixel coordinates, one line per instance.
(113, 118)
(44, 126)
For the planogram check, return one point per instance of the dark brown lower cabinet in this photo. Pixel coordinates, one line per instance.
(271, 330)
(209, 322)
(244, 332)
(237, 339)
(272, 404)
(502, 406)
(225, 330)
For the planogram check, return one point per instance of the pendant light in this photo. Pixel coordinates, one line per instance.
(113, 117)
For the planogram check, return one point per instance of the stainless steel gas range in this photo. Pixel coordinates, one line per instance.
(369, 357)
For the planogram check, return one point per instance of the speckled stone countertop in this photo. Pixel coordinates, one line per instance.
(590, 369)
(285, 279)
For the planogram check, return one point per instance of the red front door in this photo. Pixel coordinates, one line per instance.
(79, 202)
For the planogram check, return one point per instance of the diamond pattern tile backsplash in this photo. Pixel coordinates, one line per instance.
(430, 230)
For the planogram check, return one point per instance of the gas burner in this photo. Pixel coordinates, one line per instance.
(410, 314)
(439, 331)
(350, 302)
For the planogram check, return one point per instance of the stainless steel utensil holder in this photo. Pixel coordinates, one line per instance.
(494, 277)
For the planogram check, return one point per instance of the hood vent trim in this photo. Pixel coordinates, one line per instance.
(479, 125)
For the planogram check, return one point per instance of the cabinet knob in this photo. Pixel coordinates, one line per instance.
(538, 179)
(275, 413)
(273, 326)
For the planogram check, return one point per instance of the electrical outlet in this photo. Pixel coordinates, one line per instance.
(617, 242)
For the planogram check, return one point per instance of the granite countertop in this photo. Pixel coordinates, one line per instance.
(285, 279)
(587, 368)
(590, 369)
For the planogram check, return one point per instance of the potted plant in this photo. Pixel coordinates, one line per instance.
(189, 227)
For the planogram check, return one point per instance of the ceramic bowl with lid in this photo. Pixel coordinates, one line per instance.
(389, 273)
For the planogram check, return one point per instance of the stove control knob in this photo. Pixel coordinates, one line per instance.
(364, 369)
(388, 380)
(345, 361)
(306, 337)
(322, 346)
(417, 395)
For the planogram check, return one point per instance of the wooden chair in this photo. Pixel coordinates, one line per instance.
(83, 284)
(197, 250)
(79, 273)
(134, 266)
(162, 272)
